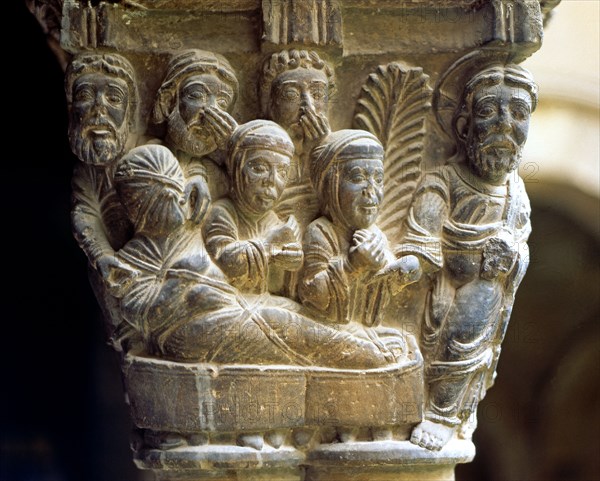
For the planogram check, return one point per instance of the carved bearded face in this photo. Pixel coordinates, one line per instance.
(263, 177)
(360, 191)
(295, 93)
(189, 129)
(498, 131)
(99, 118)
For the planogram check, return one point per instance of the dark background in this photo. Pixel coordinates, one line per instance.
(62, 408)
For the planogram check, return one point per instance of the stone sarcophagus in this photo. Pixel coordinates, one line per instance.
(303, 221)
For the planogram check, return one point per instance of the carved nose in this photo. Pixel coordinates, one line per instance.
(504, 120)
(306, 101)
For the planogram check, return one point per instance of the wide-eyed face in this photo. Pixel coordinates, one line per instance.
(296, 92)
(190, 127)
(360, 191)
(263, 177)
(499, 126)
(99, 118)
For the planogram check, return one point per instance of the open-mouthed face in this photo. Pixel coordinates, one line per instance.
(99, 118)
(499, 126)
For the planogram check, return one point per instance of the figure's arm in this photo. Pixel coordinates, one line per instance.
(86, 215)
(425, 222)
(237, 258)
(325, 277)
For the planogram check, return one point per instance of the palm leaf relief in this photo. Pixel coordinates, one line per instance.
(393, 105)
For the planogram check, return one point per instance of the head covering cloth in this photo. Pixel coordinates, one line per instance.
(142, 176)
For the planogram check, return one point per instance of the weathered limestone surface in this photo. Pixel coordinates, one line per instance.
(303, 223)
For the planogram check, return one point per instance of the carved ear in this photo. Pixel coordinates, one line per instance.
(165, 103)
(461, 127)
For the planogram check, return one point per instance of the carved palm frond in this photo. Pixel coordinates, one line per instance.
(393, 105)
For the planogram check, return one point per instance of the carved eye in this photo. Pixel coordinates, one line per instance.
(282, 172)
(357, 178)
(290, 94)
(259, 168)
(84, 94)
(519, 111)
(378, 178)
(115, 97)
(195, 95)
(317, 93)
(485, 110)
(223, 103)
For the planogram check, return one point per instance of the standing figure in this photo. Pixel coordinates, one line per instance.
(102, 97)
(469, 222)
(294, 92)
(349, 271)
(197, 92)
(243, 234)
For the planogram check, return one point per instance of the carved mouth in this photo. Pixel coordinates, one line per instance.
(370, 209)
(500, 147)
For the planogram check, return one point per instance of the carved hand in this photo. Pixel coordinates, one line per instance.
(288, 233)
(198, 194)
(406, 269)
(367, 251)
(315, 126)
(221, 123)
(288, 256)
(499, 257)
(116, 275)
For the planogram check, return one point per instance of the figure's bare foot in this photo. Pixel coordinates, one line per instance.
(432, 436)
(255, 441)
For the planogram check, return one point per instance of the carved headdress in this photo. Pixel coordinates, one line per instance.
(145, 178)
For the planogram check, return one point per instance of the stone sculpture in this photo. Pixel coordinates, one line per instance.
(470, 222)
(198, 89)
(274, 264)
(243, 234)
(294, 91)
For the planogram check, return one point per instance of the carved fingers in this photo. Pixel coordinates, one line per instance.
(198, 195)
(221, 123)
(116, 275)
(368, 250)
(315, 126)
(288, 256)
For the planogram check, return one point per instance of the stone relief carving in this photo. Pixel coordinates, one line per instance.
(271, 261)
(470, 221)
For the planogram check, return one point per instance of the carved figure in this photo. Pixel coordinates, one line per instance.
(179, 301)
(198, 90)
(248, 241)
(294, 92)
(469, 223)
(102, 99)
(349, 270)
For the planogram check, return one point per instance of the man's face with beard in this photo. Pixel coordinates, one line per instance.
(190, 126)
(499, 125)
(298, 93)
(99, 124)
